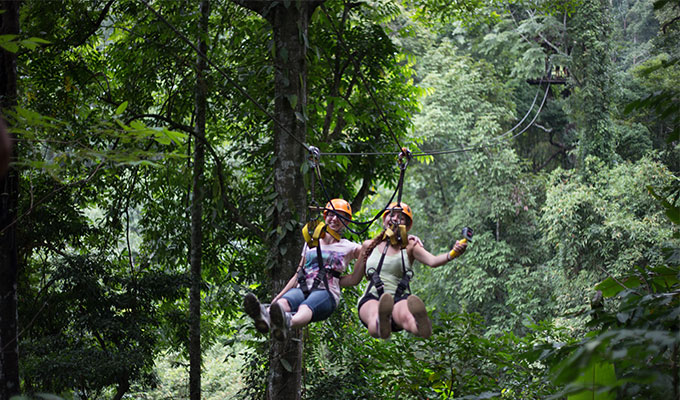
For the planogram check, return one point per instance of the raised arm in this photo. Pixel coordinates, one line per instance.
(427, 258)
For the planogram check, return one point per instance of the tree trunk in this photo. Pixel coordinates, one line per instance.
(290, 22)
(9, 195)
(285, 359)
(590, 69)
(197, 210)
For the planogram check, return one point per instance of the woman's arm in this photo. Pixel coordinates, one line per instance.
(427, 258)
(359, 268)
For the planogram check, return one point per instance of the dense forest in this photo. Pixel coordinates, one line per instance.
(164, 155)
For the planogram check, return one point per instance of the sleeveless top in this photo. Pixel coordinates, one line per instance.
(391, 272)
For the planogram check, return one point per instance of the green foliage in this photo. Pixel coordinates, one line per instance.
(601, 222)
(91, 317)
(221, 378)
(485, 188)
(638, 335)
(105, 130)
(458, 361)
(662, 98)
(590, 70)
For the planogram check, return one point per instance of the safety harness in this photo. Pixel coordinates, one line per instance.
(394, 235)
(312, 232)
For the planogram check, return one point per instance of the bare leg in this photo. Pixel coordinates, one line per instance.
(403, 317)
(369, 314)
(376, 314)
(302, 316)
(412, 316)
(284, 304)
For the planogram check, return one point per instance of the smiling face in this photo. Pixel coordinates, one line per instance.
(335, 222)
(396, 218)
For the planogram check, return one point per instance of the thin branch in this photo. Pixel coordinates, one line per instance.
(52, 193)
(234, 213)
(618, 281)
(546, 162)
(669, 23)
(548, 130)
(94, 26)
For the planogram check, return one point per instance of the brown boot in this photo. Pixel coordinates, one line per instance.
(417, 308)
(385, 305)
(257, 312)
(280, 322)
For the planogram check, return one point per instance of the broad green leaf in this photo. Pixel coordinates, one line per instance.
(121, 108)
(597, 376)
(292, 99)
(12, 47)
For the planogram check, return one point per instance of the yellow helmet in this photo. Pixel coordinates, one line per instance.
(404, 208)
(338, 205)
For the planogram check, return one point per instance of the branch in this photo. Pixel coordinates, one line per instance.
(669, 23)
(95, 26)
(254, 5)
(47, 196)
(234, 213)
(174, 124)
(546, 162)
(548, 130)
(363, 191)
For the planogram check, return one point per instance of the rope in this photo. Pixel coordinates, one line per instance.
(464, 149)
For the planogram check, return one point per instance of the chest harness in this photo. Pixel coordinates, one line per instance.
(312, 232)
(395, 235)
(312, 237)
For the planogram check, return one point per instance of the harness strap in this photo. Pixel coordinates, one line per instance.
(404, 285)
(315, 230)
(398, 237)
(374, 274)
(321, 276)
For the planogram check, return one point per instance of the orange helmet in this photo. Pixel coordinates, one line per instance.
(338, 205)
(404, 208)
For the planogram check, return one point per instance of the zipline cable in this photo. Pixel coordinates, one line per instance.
(371, 94)
(450, 151)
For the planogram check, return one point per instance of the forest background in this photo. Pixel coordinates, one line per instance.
(161, 170)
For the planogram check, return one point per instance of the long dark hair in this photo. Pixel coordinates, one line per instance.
(371, 246)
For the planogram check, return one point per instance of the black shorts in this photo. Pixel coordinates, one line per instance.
(371, 296)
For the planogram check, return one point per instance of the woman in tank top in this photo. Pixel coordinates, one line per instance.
(386, 304)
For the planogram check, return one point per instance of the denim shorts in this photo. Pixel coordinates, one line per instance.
(319, 301)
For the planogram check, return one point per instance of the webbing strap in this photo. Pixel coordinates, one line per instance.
(404, 285)
(398, 237)
(315, 230)
(374, 274)
(321, 276)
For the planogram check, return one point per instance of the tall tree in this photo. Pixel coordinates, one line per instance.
(290, 22)
(197, 207)
(590, 30)
(9, 193)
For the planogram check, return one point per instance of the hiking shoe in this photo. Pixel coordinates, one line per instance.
(257, 312)
(419, 312)
(280, 322)
(385, 305)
